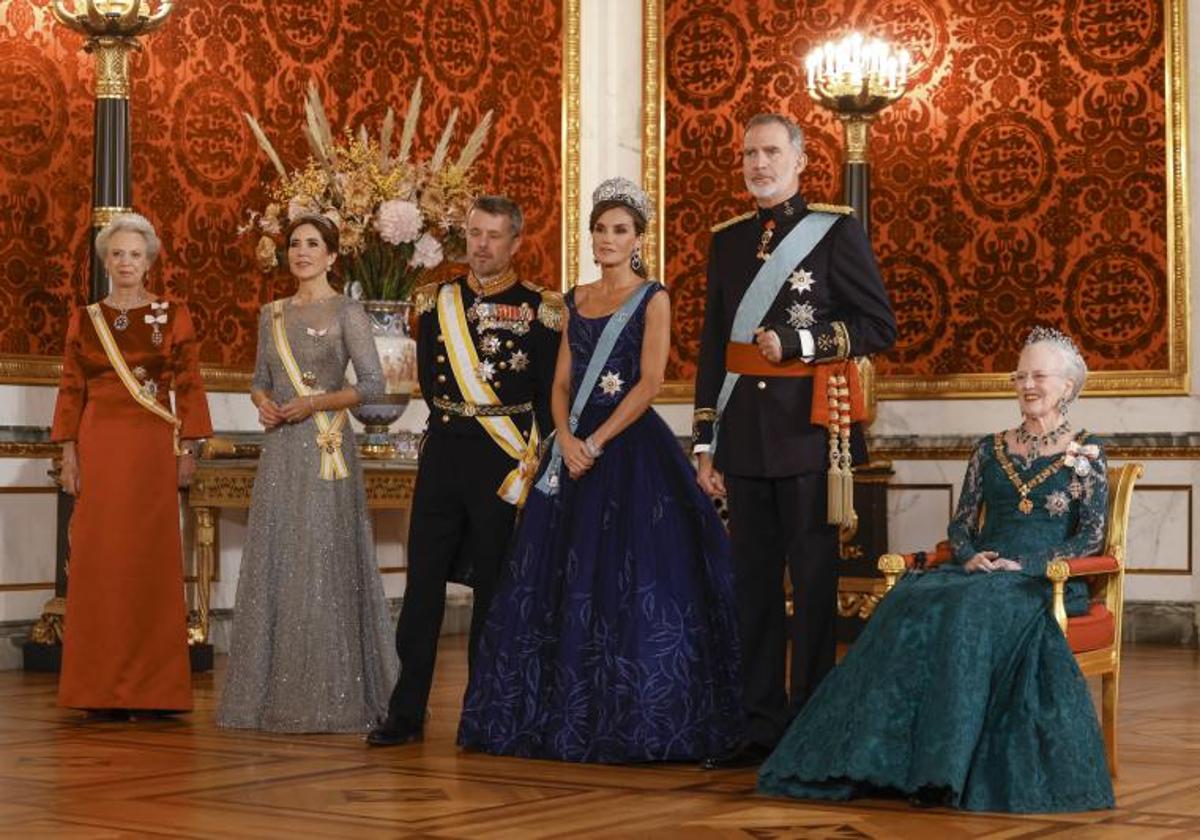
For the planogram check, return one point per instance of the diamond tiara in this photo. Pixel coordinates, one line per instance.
(626, 192)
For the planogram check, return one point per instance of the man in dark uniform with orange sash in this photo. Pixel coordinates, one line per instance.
(487, 344)
(793, 293)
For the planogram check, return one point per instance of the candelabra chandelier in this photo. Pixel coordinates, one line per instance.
(856, 78)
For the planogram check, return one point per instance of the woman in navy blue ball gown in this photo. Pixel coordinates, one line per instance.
(613, 635)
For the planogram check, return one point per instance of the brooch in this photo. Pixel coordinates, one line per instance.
(1080, 458)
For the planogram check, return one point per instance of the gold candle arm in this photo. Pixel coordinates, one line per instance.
(95, 23)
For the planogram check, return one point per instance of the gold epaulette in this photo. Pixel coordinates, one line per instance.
(425, 297)
(551, 310)
(728, 222)
(841, 209)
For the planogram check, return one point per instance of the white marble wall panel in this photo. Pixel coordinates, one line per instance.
(23, 606)
(26, 550)
(1160, 530)
(917, 516)
(610, 105)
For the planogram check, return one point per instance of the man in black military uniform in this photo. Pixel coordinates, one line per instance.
(486, 350)
(770, 459)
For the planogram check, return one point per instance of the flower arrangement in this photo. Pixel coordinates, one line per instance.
(397, 217)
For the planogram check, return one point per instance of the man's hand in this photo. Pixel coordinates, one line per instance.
(769, 345)
(710, 481)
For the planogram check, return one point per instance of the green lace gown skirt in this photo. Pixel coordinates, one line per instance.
(961, 684)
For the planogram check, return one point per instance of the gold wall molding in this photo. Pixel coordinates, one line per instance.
(1174, 380)
(47, 370)
(653, 134)
(571, 86)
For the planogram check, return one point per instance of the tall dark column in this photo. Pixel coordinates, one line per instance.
(112, 183)
(856, 171)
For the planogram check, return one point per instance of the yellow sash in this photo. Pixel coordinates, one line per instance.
(329, 429)
(126, 376)
(464, 361)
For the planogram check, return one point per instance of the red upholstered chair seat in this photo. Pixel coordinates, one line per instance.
(1093, 631)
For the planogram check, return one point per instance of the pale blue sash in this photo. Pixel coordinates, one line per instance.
(765, 288)
(548, 483)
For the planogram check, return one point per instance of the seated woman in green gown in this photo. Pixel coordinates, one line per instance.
(962, 691)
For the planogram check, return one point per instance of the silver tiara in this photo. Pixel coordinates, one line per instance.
(1049, 335)
(626, 192)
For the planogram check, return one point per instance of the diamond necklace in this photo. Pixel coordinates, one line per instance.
(1035, 443)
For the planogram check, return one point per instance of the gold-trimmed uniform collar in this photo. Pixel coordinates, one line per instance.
(502, 282)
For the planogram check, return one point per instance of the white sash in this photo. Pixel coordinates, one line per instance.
(464, 362)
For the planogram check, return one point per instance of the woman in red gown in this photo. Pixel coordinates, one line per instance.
(125, 647)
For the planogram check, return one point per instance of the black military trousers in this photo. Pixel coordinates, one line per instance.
(776, 523)
(457, 519)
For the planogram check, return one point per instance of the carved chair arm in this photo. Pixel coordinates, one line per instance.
(1060, 571)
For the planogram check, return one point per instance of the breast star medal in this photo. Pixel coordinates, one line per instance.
(610, 383)
(490, 345)
(519, 360)
(801, 280)
(801, 316)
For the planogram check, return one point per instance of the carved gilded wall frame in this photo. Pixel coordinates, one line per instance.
(1174, 379)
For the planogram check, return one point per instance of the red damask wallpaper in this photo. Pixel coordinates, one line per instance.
(1020, 180)
(196, 166)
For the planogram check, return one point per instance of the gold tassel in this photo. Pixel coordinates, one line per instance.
(847, 470)
(834, 494)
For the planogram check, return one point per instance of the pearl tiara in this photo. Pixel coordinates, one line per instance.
(626, 192)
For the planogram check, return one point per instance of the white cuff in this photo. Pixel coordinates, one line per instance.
(808, 347)
(699, 448)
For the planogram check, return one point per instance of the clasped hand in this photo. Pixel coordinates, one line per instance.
(575, 456)
(271, 414)
(991, 561)
(769, 345)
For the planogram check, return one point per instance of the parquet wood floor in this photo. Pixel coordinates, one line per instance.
(62, 777)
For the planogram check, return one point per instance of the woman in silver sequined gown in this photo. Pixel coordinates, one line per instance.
(311, 648)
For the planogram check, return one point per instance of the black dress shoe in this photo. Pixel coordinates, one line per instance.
(747, 755)
(392, 733)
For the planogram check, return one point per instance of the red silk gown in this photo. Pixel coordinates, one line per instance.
(126, 627)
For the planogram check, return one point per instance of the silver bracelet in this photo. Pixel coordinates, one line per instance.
(590, 447)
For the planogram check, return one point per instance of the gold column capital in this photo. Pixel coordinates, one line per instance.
(112, 64)
(857, 128)
(101, 216)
